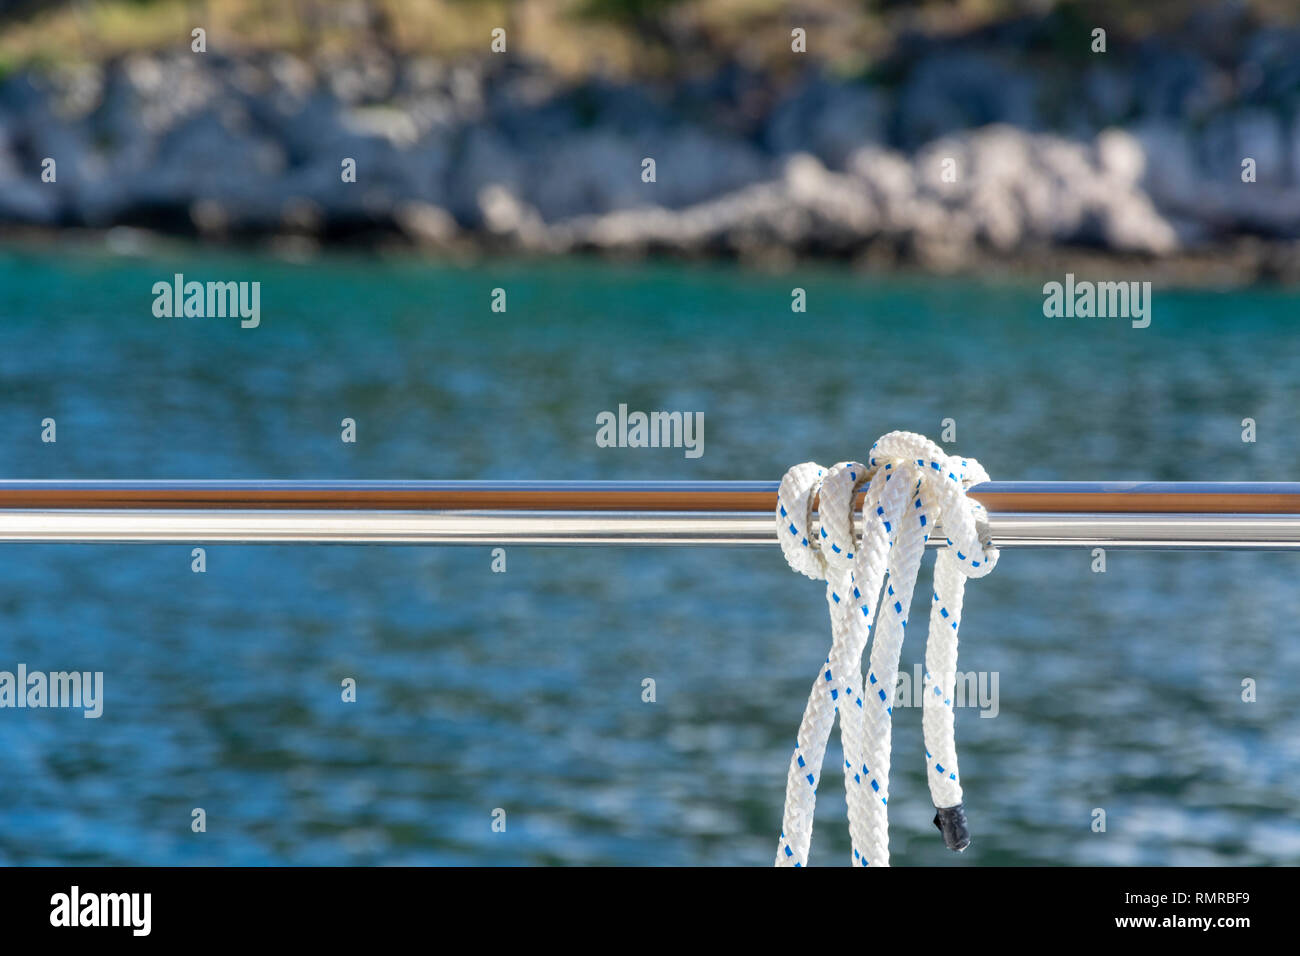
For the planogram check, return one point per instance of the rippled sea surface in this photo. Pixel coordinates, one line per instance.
(523, 690)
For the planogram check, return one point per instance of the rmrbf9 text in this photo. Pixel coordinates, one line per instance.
(1160, 899)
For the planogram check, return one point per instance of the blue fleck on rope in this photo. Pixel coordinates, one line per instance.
(911, 487)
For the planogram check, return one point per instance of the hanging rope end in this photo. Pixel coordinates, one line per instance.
(951, 822)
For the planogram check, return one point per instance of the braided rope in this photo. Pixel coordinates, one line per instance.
(911, 485)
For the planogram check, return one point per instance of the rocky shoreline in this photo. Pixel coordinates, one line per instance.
(951, 159)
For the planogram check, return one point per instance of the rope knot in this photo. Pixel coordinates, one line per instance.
(912, 489)
(941, 478)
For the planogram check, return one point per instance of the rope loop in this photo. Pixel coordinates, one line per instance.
(912, 488)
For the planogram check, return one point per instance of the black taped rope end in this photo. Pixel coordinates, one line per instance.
(951, 822)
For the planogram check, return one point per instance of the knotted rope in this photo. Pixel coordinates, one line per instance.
(911, 486)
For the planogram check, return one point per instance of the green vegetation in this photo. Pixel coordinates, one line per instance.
(573, 36)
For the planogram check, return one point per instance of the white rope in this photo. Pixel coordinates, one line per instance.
(912, 485)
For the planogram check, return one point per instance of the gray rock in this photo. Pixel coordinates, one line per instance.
(24, 199)
(23, 202)
(502, 153)
(961, 91)
(693, 165)
(827, 120)
(587, 174)
(426, 224)
(483, 159)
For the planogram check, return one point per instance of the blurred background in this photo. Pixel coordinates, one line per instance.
(761, 153)
(522, 171)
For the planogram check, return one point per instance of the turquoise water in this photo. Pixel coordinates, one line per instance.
(522, 690)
